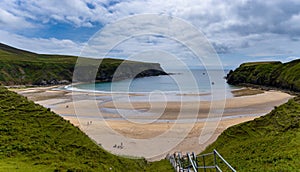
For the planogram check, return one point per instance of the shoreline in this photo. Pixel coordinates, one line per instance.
(267, 88)
(159, 134)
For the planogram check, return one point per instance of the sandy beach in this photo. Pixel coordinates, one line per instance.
(152, 129)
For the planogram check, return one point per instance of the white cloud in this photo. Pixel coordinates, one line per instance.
(293, 24)
(211, 16)
(250, 27)
(9, 20)
(153, 33)
(39, 45)
(291, 58)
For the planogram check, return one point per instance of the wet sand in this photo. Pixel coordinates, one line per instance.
(152, 129)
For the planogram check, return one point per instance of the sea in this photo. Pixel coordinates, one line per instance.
(187, 82)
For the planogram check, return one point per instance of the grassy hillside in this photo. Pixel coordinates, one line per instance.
(271, 142)
(35, 139)
(274, 74)
(19, 67)
(268, 143)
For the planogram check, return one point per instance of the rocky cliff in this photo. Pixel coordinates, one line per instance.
(271, 74)
(19, 67)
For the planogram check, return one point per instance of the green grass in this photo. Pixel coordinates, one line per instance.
(274, 74)
(35, 139)
(269, 143)
(14, 164)
(19, 67)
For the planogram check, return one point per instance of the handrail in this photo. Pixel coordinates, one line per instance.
(189, 161)
(218, 168)
(219, 155)
(192, 162)
(211, 153)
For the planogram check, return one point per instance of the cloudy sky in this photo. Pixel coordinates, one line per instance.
(239, 30)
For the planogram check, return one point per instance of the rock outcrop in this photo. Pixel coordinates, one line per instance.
(270, 74)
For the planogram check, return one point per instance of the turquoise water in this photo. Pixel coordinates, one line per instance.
(193, 81)
(180, 86)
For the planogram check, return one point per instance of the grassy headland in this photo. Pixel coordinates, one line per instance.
(19, 67)
(271, 74)
(35, 139)
(268, 143)
(271, 142)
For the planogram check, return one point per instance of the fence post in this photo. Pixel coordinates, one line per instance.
(215, 161)
(204, 163)
(195, 159)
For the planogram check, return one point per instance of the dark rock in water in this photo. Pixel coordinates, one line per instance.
(151, 72)
(64, 82)
(53, 82)
(43, 82)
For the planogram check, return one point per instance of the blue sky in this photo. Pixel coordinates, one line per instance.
(239, 30)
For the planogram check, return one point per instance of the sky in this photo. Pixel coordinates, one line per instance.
(239, 30)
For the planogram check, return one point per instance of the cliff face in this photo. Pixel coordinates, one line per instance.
(270, 74)
(18, 67)
(128, 69)
(114, 70)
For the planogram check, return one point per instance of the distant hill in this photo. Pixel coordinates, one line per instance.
(271, 74)
(19, 67)
(13, 50)
(34, 139)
